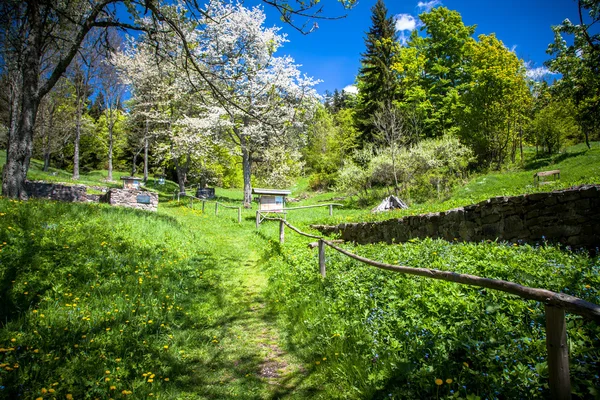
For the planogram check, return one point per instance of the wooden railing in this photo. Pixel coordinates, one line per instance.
(555, 304)
(260, 214)
(217, 205)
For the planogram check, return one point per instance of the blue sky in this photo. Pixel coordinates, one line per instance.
(332, 52)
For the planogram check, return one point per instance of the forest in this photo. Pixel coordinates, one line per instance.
(194, 93)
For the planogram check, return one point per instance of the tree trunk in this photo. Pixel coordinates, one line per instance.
(77, 138)
(110, 146)
(181, 175)
(146, 153)
(246, 167)
(133, 166)
(521, 142)
(24, 105)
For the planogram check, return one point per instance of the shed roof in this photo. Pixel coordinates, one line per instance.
(274, 192)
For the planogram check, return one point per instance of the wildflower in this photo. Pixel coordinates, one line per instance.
(113, 388)
(51, 390)
(150, 380)
(13, 340)
(69, 396)
(39, 398)
(439, 382)
(317, 362)
(166, 379)
(324, 358)
(107, 372)
(165, 347)
(44, 390)
(466, 364)
(448, 381)
(117, 359)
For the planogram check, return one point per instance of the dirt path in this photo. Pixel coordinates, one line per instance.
(246, 357)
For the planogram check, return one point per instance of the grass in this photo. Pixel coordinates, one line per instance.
(185, 304)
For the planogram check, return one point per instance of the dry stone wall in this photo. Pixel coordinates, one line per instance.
(132, 198)
(571, 217)
(56, 191)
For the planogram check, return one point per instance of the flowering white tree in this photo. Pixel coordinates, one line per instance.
(266, 98)
(167, 100)
(224, 63)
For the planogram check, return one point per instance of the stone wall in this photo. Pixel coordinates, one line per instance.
(132, 198)
(571, 217)
(78, 193)
(56, 191)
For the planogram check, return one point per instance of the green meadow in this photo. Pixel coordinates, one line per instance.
(103, 302)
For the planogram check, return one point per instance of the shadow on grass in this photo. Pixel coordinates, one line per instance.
(544, 160)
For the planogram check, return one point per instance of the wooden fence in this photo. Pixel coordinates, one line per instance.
(555, 305)
(217, 205)
(261, 214)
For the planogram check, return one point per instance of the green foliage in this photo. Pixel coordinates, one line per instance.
(331, 138)
(376, 81)
(278, 167)
(578, 61)
(376, 334)
(554, 127)
(495, 103)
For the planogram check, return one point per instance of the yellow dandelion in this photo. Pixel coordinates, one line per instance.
(51, 390)
(13, 340)
(107, 372)
(439, 382)
(39, 398)
(317, 362)
(466, 364)
(69, 396)
(150, 380)
(448, 381)
(165, 347)
(324, 358)
(106, 379)
(166, 379)
(117, 359)
(44, 390)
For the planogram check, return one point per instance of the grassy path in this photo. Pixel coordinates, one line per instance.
(245, 357)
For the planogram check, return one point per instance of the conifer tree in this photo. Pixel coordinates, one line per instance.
(377, 83)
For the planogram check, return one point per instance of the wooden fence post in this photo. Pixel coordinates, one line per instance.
(192, 202)
(322, 257)
(281, 232)
(216, 208)
(331, 209)
(257, 219)
(203, 202)
(239, 215)
(558, 353)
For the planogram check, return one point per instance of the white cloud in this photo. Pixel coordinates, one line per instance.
(352, 89)
(428, 5)
(405, 22)
(513, 49)
(538, 73)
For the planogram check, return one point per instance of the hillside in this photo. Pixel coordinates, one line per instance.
(108, 302)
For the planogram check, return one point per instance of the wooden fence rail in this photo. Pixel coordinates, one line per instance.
(262, 214)
(555, 305)
(217, 204)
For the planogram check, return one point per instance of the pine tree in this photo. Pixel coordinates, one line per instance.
(377, 83)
